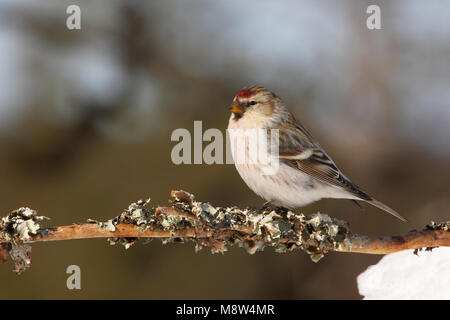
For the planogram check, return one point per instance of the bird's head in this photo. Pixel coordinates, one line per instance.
(255, 104)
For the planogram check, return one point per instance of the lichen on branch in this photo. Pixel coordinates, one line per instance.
(219, 227)
(15, 229)
(214, 227)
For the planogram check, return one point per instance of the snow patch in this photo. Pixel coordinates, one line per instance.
(404, 275)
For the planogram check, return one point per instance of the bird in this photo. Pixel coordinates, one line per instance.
(305, 172)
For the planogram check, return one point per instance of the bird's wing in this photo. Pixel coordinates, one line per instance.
(298, 149)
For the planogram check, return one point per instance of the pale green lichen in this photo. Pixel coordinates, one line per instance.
(16, 228)
(445, 226)
(278, 228)
(22, 223)
(323, 234)
(136, 214)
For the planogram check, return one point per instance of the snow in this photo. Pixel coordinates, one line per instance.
(404, 275)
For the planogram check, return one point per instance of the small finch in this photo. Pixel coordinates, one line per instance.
(305, 171)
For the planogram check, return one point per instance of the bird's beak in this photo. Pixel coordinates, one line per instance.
(236, 108)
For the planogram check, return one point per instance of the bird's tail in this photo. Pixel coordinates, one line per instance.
(384, 207)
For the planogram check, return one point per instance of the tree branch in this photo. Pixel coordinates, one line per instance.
(214, 227)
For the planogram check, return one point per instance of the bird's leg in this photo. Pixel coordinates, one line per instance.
(270, 206)
(267, 205)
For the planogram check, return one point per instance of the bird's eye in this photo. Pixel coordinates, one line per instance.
(252, 103)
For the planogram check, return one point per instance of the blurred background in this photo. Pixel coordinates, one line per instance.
(86, 118)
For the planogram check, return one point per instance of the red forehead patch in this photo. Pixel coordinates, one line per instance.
(245, 93)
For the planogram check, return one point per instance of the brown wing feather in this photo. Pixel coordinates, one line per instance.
(295, 140)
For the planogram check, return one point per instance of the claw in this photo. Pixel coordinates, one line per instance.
(267, 205)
